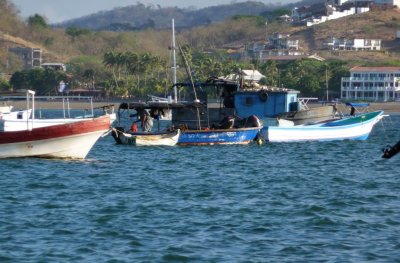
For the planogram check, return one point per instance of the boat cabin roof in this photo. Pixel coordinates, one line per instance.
(357, 104)
(159, 105)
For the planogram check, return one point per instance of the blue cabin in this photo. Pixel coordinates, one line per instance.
(265, 103)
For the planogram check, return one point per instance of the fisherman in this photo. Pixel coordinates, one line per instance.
(147, 123)
(352, 111)
(334, 109)
(145, 119)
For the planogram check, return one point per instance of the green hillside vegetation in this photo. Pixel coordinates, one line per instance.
(136, 63)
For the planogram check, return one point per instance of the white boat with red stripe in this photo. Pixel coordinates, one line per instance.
(71, 139)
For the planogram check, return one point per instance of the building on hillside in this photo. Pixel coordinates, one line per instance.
(387, 2)
(292, 57)
(30, 57)
(284, 18)
(359, 3)
(331, 9)
(310, 11)
(372, 83)
(278, 45)
(353, 44)
(249, 75)
(55, 66)
(283, 41)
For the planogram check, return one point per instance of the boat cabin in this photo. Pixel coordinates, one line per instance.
(253, 99)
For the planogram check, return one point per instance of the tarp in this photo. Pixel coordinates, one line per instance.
(357, 104)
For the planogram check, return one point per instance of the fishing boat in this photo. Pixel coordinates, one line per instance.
(7, 113)
(302, 113)
(218, 136)
(166, 138)
(5, 109)
(70, 139)
(193, 122)
(19, 120)
(199, 124)
(247, 97)
(391, 151)
(350, 128)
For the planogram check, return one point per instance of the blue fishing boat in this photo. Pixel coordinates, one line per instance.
(218, 136)
(198, 123)
(195, 126)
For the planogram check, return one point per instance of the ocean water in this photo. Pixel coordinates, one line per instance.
(283, 202)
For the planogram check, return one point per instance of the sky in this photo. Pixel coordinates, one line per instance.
(60, 10)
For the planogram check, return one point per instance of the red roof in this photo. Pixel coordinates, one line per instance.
(375, 69)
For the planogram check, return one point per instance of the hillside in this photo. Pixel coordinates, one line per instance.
(376, 24)
(140, 16)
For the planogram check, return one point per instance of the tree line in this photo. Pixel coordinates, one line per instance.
(134, 75)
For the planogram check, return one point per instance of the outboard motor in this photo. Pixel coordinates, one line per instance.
(227, 123)
(252, 121)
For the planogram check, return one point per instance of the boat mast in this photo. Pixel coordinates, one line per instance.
(174, 61)
(326, 84)
(196, 100)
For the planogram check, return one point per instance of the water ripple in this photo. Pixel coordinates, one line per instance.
(307, 202)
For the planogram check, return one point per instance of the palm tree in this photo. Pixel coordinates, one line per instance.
(110, 61)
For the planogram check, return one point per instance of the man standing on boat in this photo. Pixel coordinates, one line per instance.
(147, 122)
(145, 119)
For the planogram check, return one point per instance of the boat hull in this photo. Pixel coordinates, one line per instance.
(223, 136)
(68, 140)
(306, 116)
(357, 128)
(146, 139)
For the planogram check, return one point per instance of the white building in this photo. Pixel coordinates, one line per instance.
(250, 75)
(283, 41)
(388, 2)
(376, 2)
(372, 83)
(354, 44)
(55, 66)
(30, 57)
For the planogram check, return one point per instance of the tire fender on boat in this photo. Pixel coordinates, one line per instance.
(263, 95)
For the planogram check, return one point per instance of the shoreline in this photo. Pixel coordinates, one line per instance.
(387, 107)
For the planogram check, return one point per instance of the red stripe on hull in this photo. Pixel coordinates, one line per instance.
(56, 131)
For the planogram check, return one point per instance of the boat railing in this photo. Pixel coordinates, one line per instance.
(66, 108)
(304, 101)
(30, 102)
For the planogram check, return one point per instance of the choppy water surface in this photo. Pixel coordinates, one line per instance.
(331, 201)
